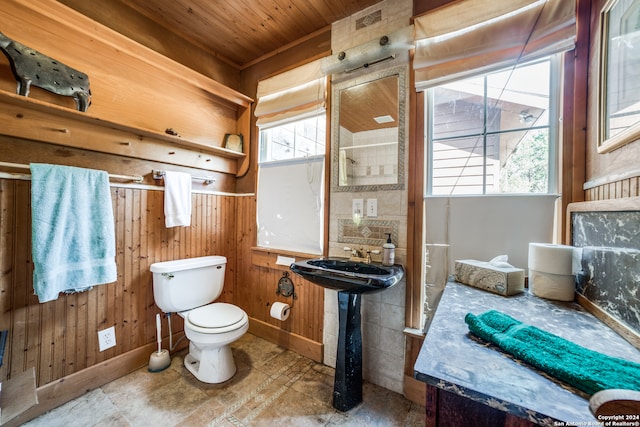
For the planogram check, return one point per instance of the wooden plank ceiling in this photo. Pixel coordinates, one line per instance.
(242, 31)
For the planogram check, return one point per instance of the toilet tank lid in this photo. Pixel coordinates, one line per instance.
(187, 264)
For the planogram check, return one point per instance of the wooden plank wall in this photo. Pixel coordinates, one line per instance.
(629, 187)
(59, 338)
(256, 287)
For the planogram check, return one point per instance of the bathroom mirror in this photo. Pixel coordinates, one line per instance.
(368, 129)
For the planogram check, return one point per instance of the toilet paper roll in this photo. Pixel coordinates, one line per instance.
(559, 287)
(280, 311)
(550, 258)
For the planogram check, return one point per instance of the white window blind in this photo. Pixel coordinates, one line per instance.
(300, 92)
(291, 205)
(291, 115)
(477, 36)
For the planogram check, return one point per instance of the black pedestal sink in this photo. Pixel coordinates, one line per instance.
(351, 279)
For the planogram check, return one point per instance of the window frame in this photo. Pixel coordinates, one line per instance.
(554, 127)
(292, 120)
(324, 219)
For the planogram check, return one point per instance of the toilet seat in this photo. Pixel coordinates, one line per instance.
(216, 318)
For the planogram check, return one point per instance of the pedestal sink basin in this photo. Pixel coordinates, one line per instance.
(352, 276)
(351, 279)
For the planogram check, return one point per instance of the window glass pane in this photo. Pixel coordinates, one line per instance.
(294, 140)
(491, 134)
(458, 108)
(458, 166)
(523, 165)
(519, 98)
(290, 206)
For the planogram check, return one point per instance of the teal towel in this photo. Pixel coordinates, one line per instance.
(73, 237)
(580, 367)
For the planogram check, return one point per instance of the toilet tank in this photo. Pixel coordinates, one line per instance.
(184, 284)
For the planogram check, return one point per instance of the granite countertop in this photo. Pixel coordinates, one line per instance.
(453, 360)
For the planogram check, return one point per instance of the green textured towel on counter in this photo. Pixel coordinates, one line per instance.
(580, 367)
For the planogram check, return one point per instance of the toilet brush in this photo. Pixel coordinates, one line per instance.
(160, 360)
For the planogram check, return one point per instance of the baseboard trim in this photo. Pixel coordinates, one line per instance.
(414, 390)
(299, 344)
(61, 391)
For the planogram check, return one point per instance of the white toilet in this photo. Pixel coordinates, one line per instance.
(187, 287)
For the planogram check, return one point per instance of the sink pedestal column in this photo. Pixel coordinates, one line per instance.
(347, 388)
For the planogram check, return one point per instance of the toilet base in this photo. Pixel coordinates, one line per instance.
(211, 366)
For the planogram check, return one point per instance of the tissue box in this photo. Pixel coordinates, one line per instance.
(482, 275)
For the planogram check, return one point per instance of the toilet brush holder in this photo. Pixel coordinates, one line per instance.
(160, 360)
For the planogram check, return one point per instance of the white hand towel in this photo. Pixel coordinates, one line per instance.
(177, 199)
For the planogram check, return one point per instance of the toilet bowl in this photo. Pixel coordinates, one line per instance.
(189, 287)
(210, 329)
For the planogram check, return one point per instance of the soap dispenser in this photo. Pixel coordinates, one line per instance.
(388, 252)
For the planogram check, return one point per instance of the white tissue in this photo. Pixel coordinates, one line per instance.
(285, 260)
(501, 261)
(559, 287)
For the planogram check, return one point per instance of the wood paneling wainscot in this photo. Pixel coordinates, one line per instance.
(613, 189)
(256, 286)
(59, 338)
(123, 133)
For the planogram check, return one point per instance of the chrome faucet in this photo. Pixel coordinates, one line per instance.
(360, 254)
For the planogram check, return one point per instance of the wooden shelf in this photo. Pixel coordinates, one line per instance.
(135, 99)
(36, 120)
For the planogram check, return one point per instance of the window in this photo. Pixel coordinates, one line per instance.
(290, 209)
(491, 72)
(291, 114)
(297, 139)
(494, 133)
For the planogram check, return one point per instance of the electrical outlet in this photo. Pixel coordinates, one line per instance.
(357, 207)
(357, 210)
(372, 208)
(107, 338)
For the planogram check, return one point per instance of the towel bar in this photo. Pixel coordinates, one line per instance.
(157, 174)
(134, 178)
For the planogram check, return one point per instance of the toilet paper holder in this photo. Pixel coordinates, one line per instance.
(285, 286)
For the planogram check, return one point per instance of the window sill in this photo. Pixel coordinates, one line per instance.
(268, 257)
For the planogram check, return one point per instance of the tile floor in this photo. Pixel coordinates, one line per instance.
(273, 387)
